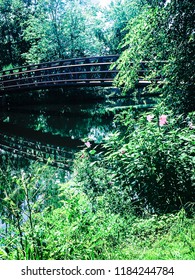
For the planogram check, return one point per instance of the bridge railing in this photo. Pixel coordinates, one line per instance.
(55, 65)
(72, 61)
(89, 70)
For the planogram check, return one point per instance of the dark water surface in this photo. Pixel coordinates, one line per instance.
(76, 122)
(58, 121)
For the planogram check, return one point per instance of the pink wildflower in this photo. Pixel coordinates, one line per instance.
(88, 144)
(191, 126)
(82, 156)
(163, 120)
(149, 118)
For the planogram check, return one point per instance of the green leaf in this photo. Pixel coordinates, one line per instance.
(92, 152)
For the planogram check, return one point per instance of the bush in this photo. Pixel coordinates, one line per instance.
(23, 194)
(61, 221)
(148, 164)
(154, 160)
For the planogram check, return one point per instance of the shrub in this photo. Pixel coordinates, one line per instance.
(153, 159)
(23, 194)
(147, 164)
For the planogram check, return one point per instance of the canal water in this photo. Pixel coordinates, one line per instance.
(66, 120)
(60, 120)
(74, 121)
(55, 122)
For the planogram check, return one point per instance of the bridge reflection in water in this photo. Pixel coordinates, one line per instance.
(38, 134)
(35, 145)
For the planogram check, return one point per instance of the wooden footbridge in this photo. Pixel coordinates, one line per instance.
(80, 72)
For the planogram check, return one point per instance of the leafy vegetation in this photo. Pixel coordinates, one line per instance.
(133, 196)
(162, 35)
(37, 31)
(137, 193)
(148, 163)
(61, 223)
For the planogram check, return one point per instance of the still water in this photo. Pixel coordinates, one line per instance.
(69, 121)
(63, 119)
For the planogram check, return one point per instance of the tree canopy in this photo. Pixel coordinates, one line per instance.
(163, 35)
(34, 31)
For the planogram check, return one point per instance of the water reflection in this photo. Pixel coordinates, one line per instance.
(74, 116)
(72, 121)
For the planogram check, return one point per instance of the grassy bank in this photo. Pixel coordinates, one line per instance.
(66, 226)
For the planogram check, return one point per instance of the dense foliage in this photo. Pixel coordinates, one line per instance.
(148, 164)
(133, 196)
(60, 222)
(35, 31)
(162, 35)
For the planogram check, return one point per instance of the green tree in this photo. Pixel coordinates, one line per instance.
(62, 29)
(43, 32)
(162, 32)
(116, 17)
(12, 15)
